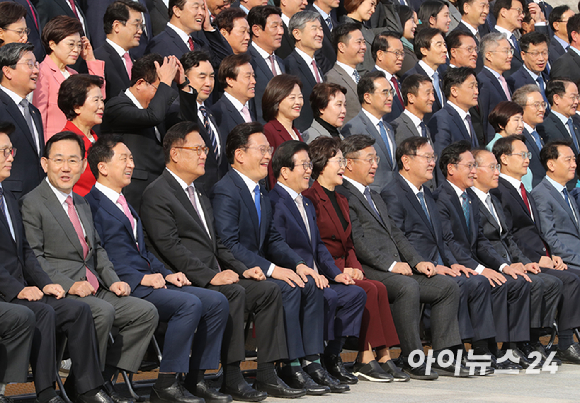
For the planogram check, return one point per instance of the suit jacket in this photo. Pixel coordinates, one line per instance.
(55, 243)
(561, 229)
(405, 128)
(26, 170)
(235, 214)
(18, 265)
(567, 65)
(326, 57)
(337, 75)
(369, 34)
(177, 236)
(116, 77)
(386, 16)
(437, 104)
(520, 78)
(361, 124)
(287, 45)
(469, 245)
(169, 43)
(159, 15)
(336, 238)
(491, 93)
(34, 24)
(264, 72)
(290, 225)
(538, 171)
(227, 116)
(425, 233)
(276, 135)
(317, 130)
(446, 127)
(555, 50)
(378, 242)
(552, 129)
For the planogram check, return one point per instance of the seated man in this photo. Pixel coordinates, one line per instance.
(387, 255)
(61, 233)
(243, 220)
(295, 220)
(183, 308)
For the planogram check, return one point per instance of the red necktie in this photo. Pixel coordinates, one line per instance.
(74, 8)
(396, 85)
(316, 74)
(525, 197)
(33, 14)
(190, 42)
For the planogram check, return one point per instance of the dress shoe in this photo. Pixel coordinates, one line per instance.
(539, 347)
(100, 397)
(210, 395)
(278, 389)
(114, 395)
(175, 393)
(477, 365)
(56, 399)
(390, 368)
(527, 349)
(296, 378)
(335, 367)
(5, 399)
(244, 392)
(371, 372)
(323, 378)
(419, 372)
(571, 355)
(453, 369)
(506, 365)
(523, 359)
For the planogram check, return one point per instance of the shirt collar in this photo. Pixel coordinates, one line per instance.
(415, 119)
(249, 182)
(349, 70)
(132, 98)
(389, 75)
(495, 73)
(293, 194)
(480, 194)
(504, 31)
(184, 37)
(456, 189)
(14, 96)
(59, 195)
(181, 182)
(322, 13)
(304, 56)
(120, 51)
(286, 20)
(558, 187)
(516, 183)
(563, 118)
(531, 73)
(462, 114)
(574, 49)
(374, 120)
(562, 42)
(427, 69)
(237, 104)
(244, 9)
(529, 128)
(413, 188)
(261, 51)
(107, 191)
(359, 186)
(468, 25)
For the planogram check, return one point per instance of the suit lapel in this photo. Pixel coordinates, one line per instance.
(409, 123)
(14, 112)
(331, 212)
(457, 205)
(233, 112)
(349, 81)
(305, 69)
(514, 192)
(459, 123)
(86, 220)
(483, 210)
(559, 197)
(108, 205)
(417, 206)
(249, 202)
(4, 220)
(118, 65)
(177, 40)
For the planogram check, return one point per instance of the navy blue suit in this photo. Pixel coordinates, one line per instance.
(491, 93)
(227, 117)
(256, 242)
(263, 72)
(326, 57)
(522, 77)
(552, 129)
(116, 77)
(437, 104)
(517, 60)
(555, 50)
(538, 171)
(185, 309)
(343, 304)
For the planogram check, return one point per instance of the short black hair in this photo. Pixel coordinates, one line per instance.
(192, 59)
(225, 19)
(11, 53)
(423, 39)
(119, 11)
(7, 128)
(366, 84)
(550, 151)
(381, 42)
(73, 92)
(353, 144)
(461, 5)
(176, 135)
(503, 146)
(284, 155)
(259, 16)
(321, 150)
(556, 15)
(455, 77)
(239, 137)
(144, 68)
(556, 86)
(409, 146)
(573, 25)
(230, 67)
(411, 85)
(499, 4)
(341, 33)
(102, 151)
(452, 154)
(453, 39)
(61, 136)
(532, 38)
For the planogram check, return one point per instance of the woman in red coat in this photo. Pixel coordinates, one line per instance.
(378, 331)
(81, 100)
(281, 105)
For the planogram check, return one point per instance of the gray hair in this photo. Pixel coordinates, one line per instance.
(490, 42)
(11, 53)
(299, 20)
(520, 96)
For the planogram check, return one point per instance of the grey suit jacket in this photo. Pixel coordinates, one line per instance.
(55, 243)
(361, 124)
(337, 75)
(405, 128)
(314, 131)
(560, 228)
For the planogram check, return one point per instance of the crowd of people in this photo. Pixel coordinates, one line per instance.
(360, 170)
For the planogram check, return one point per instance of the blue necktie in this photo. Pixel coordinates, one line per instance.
(385, 138)
(437, 86)
(515, 44)
(355, 76)
(537, 139)
(257, 203)
(370, 201)
(329, 23)
(573, 134)
(542, 86)
(465, 207)
(423, 129)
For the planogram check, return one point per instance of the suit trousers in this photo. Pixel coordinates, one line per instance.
(186, 309)
(511, 305)
(568, 312)
(74, 320)
(475, 310)
(263, 299)
(343, 310)
(303, 318)
(16, 333)
(407, 293)
(136, 320)
(545, 295)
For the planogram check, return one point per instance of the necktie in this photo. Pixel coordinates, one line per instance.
(74, 7)
(478, 37)
(515, 44)
(565, 193)
(3, 208)
(329, 23)
(190, 44)
(273, 64)
(356, 76)
(537, 139)
(210, 132)
(371, 204)
(193, 200)
(397, 90)
(257, 203)
(385, 138)
(33, 14)
(123, 202)
(421, 198)
(504, 85)
(542, 86)
(465, 207)
(573, 133)
(316, 73)
(76, 222)
(423, 129)
(474, 141)
(490, 208)
(246, 114)
(28, 118)
(300, 204)
(437, 86)
(525, 197)
(128, 63)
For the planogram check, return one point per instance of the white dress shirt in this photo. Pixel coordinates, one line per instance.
(516, 184)
(17, 99)
(182, 34)
(266, 56)
(62, 200)
(415, 119)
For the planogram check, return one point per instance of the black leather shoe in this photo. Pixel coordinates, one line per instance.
(298, 379)
(175, 393)
(210, 395)
(571, 355)
(109, 389)
(371, 372)
(335, 367)
(279, 389)
(487, 370)
(323, 378)
(100, 397)
(244, 392)
(398, 376)
(56, 399)
(420, 372)
(539, 347)
(451, 369)
(506, 365)
(523, 359)
(5, 399)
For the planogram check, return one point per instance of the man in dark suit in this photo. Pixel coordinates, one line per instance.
(233, 25)
(531, 100)
(559, 43)
(159, 14)
(243, 220)
(509, 15)
(418, 96)
(307, 32)
(55, 220)
(327, 11)
(388, 54)
(558, 125)
(19, 74)
(432, 54)
(413, 209)
(568, 65)
(534, 46)
(187, 310)
(473, 15)
(375, 95)
(33, 24)
(522, 219)
(122, 23)
(236, 75)
(387, 256)
(266, 30)
(295, 219)
(289, 9)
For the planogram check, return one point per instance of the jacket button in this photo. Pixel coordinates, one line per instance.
(333, 237)
(395, 255)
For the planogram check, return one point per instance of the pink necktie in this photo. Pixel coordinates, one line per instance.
(128, 63)
(246, 114)
(123, 202)
(505, 87)
(74, 219)
(273, 65)
(316, 74)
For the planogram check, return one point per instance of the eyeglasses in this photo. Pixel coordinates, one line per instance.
(32, 65)
(369, 160)
(470, 166)
(524, 155)
(20, 32)
(305, 165)
(519, 10)
(386, 93)
(509, 51)
(197, 149)
(139, 26)
(538, 105)
(154, 86)
(8, 151)
(72, 162)
(72, 45)
(264, 149)
(341, 161)
(429, 157)
(536, 54)
(470, 49)
(573, 97)
(399, 54)
(493, 167)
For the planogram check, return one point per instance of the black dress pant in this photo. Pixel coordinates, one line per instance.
(16, 332)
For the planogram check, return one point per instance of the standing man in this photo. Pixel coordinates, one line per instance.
(327, 11)
(418, 95)
(568, 65)
(289, 8)
(473, 15)
(463, 49)
(509, 15)
(534, 52)
(558, 21)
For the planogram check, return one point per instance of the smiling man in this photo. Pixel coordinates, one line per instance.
(473, 15)
(233, 26)
(388, 54)
(534, 46)
(509, 15)
(463, 49)
(418, 95)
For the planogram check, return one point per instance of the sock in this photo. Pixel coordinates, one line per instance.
(481, 347)
(565, 339)
(511, 345)
(47, 394)
(312, 360)
(92, 392)
(164, 380)
(534, 335)
(233, 375)
(109, 372)
(334, 346)
(266, 373)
